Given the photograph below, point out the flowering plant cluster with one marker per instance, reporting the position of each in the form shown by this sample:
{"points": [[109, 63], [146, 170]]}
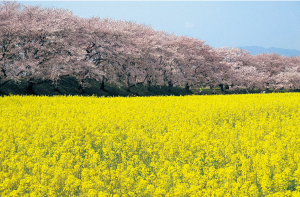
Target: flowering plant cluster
{"points": [[228, 145], [44, 44]]}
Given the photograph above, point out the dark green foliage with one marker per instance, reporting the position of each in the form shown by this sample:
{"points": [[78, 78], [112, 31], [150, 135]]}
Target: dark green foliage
{"points": [[12, 87], [70, 86]]}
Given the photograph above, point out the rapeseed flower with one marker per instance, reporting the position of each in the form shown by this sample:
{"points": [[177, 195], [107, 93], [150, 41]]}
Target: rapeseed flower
{"points": [[228, 145]]}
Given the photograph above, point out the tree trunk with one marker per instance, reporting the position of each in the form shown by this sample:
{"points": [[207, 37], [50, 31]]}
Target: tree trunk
{"points": [[170, 86], [102, 85], [148, 85], [187, 87], [81, 88], [128, 85], [29, 88], [222, 89], [55, 86]]}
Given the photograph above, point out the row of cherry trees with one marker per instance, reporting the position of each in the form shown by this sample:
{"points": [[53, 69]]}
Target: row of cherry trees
{"points": [[50, 43]]}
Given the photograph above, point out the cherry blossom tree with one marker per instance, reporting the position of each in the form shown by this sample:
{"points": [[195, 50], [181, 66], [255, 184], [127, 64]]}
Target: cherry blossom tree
{"points": [[271, 64], [247, 77], [50, 43], [157, 52], [8, 48], [231, 59], [289, 79], [189, 59], [110, 50], [45, 38], [152, 53]]}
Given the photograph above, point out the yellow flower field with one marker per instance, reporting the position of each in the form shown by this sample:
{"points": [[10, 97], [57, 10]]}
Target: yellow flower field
{"points": [[229, 145]]}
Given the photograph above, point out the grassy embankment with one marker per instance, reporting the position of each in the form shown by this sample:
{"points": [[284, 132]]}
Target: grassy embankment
{"points": [[70, 86]]}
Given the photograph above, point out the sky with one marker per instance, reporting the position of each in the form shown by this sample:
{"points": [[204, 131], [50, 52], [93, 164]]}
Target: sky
{"points": [[218, 23]]}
